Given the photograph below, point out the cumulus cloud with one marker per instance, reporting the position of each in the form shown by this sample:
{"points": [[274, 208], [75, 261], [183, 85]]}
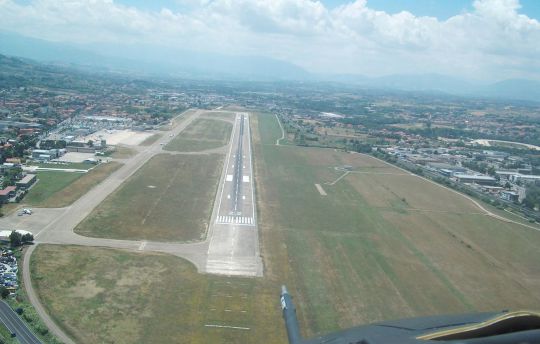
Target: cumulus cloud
{"points": [[492, 41]]}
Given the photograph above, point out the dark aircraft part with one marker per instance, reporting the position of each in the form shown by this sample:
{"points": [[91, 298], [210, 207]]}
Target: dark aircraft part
{"points": [[505, 327], [289, 314]]}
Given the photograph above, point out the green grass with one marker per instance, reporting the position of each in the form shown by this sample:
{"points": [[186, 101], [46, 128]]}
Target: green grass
{"points": [[272, 130], [100, 295], [5, 336], [60, 189], [201, 134], [48, 184], [377, 256], [169, 198]]}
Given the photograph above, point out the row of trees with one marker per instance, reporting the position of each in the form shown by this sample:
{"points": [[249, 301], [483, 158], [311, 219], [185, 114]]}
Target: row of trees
{"points": [[17, 239], [532, 200]]}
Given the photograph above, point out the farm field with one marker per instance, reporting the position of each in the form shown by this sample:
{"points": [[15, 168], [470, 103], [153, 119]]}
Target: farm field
{"points": [[101, 296], [202, 134], [60, 189], [381, 244], [168, 199]]}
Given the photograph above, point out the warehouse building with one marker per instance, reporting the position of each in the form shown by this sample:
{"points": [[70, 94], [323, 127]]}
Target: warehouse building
{"points": [[475, 179]]}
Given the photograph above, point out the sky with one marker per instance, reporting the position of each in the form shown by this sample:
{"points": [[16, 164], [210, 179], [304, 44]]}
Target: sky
{"points": [[484, 40]]}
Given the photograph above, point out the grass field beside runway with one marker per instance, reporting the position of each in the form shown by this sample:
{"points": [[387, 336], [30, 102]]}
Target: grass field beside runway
{"points": [[168, 199], [111, 296], [150, 139], [219, 115], [57, 189], [201, 134], [382, 244]]}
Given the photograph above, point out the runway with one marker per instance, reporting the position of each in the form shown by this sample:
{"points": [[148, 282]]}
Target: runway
{"points": [[234, 246]]}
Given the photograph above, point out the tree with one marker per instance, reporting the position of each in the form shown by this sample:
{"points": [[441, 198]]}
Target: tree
{"points": [[28, 237], [4, 292], [90, 143], [15, 239], [532, 200]]}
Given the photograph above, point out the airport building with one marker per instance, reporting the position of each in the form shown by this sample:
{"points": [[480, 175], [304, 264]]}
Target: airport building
{"points": [[7, 193], [26, 182]]}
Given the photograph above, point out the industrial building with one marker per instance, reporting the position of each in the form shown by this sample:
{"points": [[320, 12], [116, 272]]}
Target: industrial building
{"points": [[475, 179], [525, 178]]}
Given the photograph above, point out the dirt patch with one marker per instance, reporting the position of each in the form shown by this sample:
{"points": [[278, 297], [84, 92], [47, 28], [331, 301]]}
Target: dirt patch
{"points": [[85, 289]]}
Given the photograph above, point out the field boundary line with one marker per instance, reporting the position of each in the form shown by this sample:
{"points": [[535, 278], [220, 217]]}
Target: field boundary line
{"points": [[282, 131]]}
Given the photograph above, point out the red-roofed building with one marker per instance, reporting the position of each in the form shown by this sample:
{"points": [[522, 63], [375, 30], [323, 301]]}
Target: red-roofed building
{"points": [[7, 193]]}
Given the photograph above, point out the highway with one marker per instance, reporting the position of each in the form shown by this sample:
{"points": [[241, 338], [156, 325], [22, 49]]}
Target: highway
{"points": [[15, 325]]}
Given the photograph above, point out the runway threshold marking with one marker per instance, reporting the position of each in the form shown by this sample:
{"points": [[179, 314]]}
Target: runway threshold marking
{"points": [[238, 220]]}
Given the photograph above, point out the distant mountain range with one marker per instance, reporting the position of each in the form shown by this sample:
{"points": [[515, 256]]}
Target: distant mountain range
{"points": [[148, 60]]}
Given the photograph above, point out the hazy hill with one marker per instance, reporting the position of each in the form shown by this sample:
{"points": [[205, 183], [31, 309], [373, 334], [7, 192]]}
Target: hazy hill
{"points": [[171, 62], [151, 60]]}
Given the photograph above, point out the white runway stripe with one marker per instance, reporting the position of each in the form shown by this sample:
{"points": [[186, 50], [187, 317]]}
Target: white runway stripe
{"points": [[238, 220]]}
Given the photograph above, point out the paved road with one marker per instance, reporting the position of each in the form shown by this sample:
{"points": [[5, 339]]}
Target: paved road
{"points": [[16, 325], [234, 245]]}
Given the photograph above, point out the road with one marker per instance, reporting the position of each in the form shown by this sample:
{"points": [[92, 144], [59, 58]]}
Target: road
{"points": [[234, 246], [15, 325]]}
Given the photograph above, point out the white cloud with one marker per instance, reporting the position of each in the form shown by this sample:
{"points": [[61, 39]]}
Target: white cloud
{"points": [[493, 41]]}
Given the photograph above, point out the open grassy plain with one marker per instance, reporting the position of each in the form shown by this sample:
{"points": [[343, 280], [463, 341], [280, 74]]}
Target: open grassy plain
{"points": [[168, 199], [381, 244], [112, 296], [202, 134], [60, 189]]}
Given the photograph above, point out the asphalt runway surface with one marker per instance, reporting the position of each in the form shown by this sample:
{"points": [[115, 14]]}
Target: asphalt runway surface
{"points": [[234, 246]]}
